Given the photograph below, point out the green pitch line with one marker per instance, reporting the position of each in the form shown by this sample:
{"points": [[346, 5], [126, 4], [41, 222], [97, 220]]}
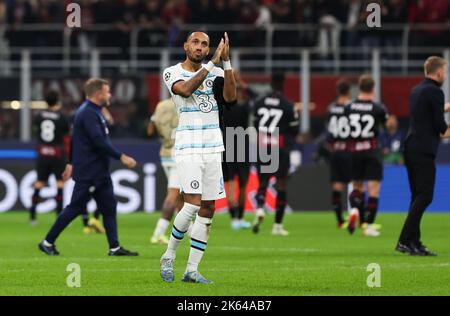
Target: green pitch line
{"points": [[316, 259]]}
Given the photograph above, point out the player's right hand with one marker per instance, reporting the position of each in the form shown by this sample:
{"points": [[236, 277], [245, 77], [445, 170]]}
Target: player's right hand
{"points": [[226, 48], [447, 107], [67, 174], [128, 161], [218, 53]]}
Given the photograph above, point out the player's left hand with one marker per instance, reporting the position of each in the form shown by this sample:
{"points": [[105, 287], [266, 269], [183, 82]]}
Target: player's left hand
{"points": [[67, 174], [226, 49], [447, 107], [128, 161]]}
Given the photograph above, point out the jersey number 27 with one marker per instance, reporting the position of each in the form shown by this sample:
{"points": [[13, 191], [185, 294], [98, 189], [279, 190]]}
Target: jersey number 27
{"points": [[274, 115]]}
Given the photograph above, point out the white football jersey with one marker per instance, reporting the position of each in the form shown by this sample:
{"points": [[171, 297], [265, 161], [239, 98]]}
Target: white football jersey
{"points": [[198, 128]]}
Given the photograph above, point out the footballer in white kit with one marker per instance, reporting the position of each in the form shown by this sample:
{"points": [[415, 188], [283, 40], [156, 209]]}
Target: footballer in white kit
{"points": [[198, 91], [198, 138]]}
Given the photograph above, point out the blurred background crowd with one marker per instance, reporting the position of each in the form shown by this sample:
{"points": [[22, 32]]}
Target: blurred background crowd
{"points": [[163, 20]]}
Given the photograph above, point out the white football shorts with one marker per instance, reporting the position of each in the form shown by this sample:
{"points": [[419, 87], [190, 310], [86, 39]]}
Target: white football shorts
{"points": [[201, 174]]}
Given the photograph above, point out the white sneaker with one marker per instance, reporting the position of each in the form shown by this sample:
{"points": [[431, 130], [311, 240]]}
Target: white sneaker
{"points": [[278, 230], [244, 224], [259, 218], [161, 240], [371, 231], [235, 224]]}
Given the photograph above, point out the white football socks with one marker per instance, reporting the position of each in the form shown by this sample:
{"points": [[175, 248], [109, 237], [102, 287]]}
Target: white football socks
{"points": [[180, 227], [199, 238], [161, 227]]}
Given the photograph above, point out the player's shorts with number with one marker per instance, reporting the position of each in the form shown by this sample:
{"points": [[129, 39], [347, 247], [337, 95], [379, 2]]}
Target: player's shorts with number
{"points": [[201, 174]]}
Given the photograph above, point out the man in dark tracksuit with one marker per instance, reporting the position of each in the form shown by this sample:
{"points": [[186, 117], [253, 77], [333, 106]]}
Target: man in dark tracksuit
{"points": [[427, 126], [90, 154]]}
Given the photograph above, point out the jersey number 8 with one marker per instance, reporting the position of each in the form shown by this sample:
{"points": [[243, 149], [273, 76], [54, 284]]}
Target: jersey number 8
{"points": [[47, 131]]}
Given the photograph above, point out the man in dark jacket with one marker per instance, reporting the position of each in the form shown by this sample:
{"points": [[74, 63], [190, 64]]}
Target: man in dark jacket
{"points": [[427, 127], [89, 162]]}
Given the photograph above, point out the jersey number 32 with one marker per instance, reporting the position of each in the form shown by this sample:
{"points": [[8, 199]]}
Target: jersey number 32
{"points": [[356, 126]]}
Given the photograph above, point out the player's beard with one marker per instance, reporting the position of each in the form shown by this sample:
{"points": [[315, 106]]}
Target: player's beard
{"points": [[195, 60]]}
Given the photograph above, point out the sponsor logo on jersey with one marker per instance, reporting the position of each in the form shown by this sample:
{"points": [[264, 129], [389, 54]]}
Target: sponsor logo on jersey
{"points": [[206, 105]]}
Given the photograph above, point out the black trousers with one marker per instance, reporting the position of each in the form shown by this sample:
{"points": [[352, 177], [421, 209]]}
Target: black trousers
{"points": [[103, 193], [422, 175]]}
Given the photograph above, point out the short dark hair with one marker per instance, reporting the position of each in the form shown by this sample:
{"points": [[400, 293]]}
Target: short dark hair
{"points": [[343, 87], [366, 83], [433, 64], [93, 85], [277, 81], [192, 32], [52, 98]]}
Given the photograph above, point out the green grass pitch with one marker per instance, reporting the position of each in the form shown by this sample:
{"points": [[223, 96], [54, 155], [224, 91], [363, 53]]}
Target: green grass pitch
{"points": [[316, 259]]}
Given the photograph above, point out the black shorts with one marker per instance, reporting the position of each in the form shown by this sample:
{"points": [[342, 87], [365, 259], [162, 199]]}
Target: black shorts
{"points": [[236, 169], [367, 166], [341, 167], [225, 171], [47, 166], [284, 164]]}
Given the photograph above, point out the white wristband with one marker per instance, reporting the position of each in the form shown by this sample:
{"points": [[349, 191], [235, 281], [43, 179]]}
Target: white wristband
{"points": [[227, 65], [209, 66]]}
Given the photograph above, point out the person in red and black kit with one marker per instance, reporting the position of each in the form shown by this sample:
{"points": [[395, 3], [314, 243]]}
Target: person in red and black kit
{"points": [[274, 113], [51, 128], [427, 127], [338, 128], [366, 117]]}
